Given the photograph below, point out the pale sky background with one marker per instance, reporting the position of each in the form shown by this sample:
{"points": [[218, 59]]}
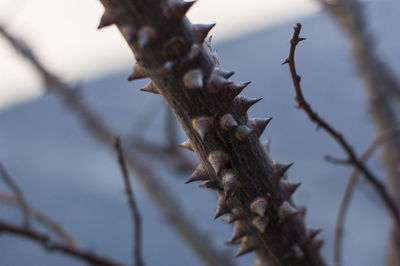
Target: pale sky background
{"points": [[63, 34]]}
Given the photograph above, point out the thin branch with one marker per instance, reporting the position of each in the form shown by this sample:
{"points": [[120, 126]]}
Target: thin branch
{"points": [[303, 104], [136, 219], [165, 201], [17, 193], [383, 137], [47, 243], [41, 218]]}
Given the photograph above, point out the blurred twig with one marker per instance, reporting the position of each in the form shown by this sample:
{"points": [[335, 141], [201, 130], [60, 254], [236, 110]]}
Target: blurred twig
{"points": [[136, 220], [47, 243], [18, 195], [314, 117], [385, 136], [41, 218], [166, 202]]}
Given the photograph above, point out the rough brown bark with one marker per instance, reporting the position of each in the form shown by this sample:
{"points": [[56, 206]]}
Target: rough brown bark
{"points": [[170, 50]]}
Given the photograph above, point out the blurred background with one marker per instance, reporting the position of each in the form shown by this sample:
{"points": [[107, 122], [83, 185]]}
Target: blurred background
{"points": [[67, 173]]}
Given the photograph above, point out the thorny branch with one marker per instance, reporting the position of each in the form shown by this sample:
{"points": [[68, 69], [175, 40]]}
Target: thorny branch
{"points": [[136, 219], [17, 193], [383, 137], [303, 104], [41, 218], [49, 244], [166, 202]]}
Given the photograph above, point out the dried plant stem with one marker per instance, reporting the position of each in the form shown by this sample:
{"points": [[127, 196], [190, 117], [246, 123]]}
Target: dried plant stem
{"points": [[50, 245], [42, 218], [17, 193], [383, 137], [303, 104], [136, 219], [165, 201]]}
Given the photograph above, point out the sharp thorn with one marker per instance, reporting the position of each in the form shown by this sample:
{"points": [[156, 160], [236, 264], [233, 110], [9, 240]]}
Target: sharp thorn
{"points": [[245, 103], [198, 174], [230, 183], [240, 230], [259, 206], [151, 87], [260, 223], [286, 211], [227, 122], [187, 145], [107, 19], [280, 169], [219, 160], [203, 125], [193, 79], [243, 132], [137, 73], [249, 243], [203, 30], [289, 187], [259, 124], [216, 82]]}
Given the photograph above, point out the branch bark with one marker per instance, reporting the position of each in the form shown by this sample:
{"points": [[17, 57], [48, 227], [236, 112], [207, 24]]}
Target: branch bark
{"points": [[169, 50]]}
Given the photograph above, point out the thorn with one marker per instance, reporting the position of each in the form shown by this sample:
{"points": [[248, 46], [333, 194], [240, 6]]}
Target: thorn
{"points": [[240, 230], [249, 243], [208, 42], [137, 73], [227, 122], [187, 145], [260, 223], [107, 19], [301, 39], [226, 74], [234, 89], [234, 215], [286, 211], [230, 183], [174, 47], [218, 160], [245, 103], [146, 35], [198, 174], [193, 79], [130, 33], [151, 87], [178, 9], [222, 206], [289, 187], [299, 254], [203, 125], [280, 169], [259, 206], [318, 242], [267, 144], [286, 61], [168, 67], [259, 124], [311, 234], [302, 210], [216, 82], [211, 184], [195, 52], [202, 30], [243, 132]]}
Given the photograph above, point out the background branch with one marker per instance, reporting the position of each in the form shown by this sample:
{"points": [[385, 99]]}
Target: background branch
{"points": [[47, 243], [136, 219], [314, 117]]}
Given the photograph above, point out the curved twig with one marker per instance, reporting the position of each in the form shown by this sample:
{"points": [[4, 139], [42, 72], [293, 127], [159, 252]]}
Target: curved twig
{"points": [[136, 219], [314, 117]]}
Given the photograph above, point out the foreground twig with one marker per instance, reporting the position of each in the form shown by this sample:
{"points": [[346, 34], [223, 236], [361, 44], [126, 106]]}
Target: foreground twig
{"points": [[17, 193], [303, 104], [49, 244], [166, 202], [385, 136], [136, 219], [41, 218]]}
